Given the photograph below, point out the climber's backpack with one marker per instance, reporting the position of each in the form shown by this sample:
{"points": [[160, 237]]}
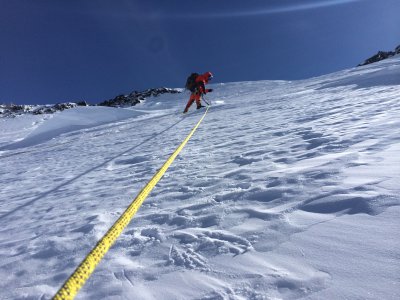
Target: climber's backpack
{"points": [[191, 82]]}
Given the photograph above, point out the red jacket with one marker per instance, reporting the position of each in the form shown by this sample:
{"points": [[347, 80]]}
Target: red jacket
{"points": [[202, 80]]}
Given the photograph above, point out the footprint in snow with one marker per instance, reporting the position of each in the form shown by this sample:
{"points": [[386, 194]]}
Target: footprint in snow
{"points": [[188, 259], [214, 242]]}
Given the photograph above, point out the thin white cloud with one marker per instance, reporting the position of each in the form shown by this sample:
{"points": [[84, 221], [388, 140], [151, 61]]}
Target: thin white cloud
{"points": [[137, 12], [267, 10]]}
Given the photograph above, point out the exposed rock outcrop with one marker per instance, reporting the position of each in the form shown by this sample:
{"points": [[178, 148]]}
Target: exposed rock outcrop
{"points": [[381, 55], [136, 97]]}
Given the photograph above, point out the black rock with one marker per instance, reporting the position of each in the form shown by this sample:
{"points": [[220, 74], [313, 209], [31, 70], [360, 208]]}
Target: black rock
{"points": [[82, 103], [381, 55], [62, 106], [136, 97]]}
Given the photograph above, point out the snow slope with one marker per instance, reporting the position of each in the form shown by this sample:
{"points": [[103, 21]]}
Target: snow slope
{"points": [[287, 190]]}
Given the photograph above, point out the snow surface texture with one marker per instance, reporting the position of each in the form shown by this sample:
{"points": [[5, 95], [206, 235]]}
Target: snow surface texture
{"points": [[287, 190]]}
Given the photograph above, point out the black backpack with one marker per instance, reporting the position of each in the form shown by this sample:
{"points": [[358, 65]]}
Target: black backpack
{"points": [[191, 82]]}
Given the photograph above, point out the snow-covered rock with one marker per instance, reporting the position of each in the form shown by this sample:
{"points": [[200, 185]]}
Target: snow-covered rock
{"points": [[14, 110]]}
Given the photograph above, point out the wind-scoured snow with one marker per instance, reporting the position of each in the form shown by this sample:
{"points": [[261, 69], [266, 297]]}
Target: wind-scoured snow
{"points": [[71, 120], [287, 190]]}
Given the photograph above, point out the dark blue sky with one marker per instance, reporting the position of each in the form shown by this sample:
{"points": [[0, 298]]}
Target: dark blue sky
{"points": [[55, 50]]}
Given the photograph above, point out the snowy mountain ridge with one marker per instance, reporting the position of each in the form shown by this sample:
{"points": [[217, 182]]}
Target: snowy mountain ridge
{"points": [[287, 190], [130, 99]]}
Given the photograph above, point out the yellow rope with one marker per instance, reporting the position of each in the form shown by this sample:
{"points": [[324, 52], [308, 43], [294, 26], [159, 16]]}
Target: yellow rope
{"points": [[76, 281]]}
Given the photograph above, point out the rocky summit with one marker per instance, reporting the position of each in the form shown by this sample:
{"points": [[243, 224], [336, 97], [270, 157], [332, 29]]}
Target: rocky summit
{"points": [[381, 55], [136, 97]]}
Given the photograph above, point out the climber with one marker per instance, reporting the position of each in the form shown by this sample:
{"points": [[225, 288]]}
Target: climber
{"points": [[196, 84]]}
